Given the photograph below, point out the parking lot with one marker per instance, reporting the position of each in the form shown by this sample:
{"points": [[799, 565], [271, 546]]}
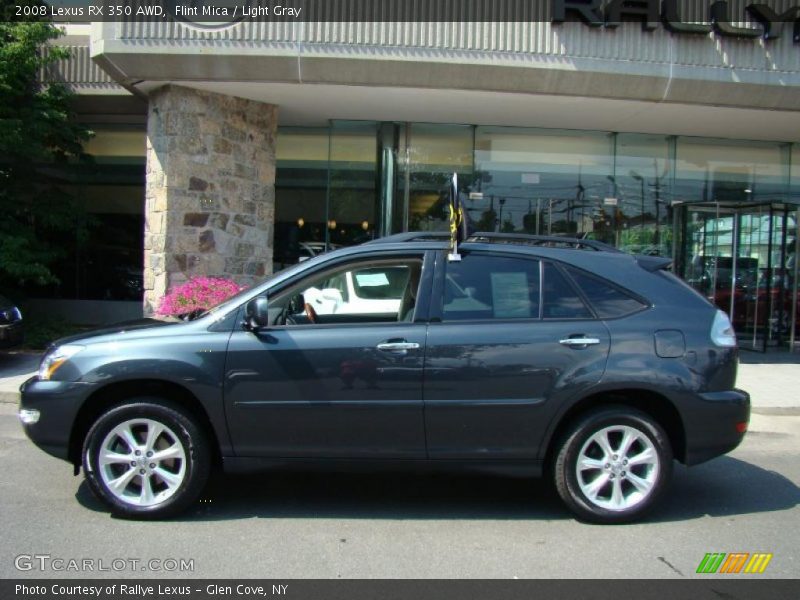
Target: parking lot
{"points": [[356, 526]]}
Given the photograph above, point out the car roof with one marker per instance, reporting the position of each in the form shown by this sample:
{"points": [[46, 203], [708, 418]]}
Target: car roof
{"points": [[551, 246], [552, 241]]}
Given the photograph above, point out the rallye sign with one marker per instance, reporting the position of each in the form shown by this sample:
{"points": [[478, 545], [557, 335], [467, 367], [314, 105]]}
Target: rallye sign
{"points": [[657, 13]]}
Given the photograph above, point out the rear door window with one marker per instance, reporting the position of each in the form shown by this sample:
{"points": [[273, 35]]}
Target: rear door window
{"points": [[491, 287]]}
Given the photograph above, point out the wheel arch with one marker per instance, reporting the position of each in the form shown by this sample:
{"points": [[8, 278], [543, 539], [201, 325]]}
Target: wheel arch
{"points": [[118, 392], [652, 403]]}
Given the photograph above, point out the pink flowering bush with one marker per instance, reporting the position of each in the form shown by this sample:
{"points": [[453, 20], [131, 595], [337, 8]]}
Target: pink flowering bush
{"points": [[197, 294]]}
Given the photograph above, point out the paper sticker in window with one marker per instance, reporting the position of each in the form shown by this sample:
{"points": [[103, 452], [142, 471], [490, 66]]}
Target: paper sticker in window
{"points": [[371, 279]]}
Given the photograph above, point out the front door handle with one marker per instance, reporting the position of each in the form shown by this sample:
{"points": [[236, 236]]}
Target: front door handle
{"points": [[579, 341], [398, 346]]}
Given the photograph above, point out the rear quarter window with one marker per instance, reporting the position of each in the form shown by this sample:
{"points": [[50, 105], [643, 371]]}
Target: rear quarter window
{"points": [[561, 300], [608, 301]]}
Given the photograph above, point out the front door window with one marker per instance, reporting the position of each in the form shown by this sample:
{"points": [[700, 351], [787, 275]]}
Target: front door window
{"points": [[365, 292]]}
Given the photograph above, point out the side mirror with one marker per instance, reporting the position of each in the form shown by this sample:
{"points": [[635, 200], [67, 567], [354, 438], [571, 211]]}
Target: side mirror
{"points": [[255, 313]]}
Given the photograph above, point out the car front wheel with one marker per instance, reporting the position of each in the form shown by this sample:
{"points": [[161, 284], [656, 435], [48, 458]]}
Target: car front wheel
{"points": [[613, 465], [146, 459]]}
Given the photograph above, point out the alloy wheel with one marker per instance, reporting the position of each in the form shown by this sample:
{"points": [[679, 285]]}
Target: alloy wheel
{"points": [[617, 468], [142, 462]]}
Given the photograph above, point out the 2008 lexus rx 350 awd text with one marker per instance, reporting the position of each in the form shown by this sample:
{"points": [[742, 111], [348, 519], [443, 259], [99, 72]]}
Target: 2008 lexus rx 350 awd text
{"points": [[529, 355]]}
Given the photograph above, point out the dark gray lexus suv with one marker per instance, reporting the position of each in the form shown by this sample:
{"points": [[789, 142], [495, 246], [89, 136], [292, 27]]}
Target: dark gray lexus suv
{"points": [[528, 355]]}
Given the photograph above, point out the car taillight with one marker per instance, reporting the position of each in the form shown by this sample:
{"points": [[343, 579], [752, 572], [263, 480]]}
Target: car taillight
{"points": [[722, 333]]}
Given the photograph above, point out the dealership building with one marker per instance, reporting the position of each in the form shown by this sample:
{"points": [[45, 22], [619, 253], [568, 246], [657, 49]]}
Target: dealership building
{"points": [[233, 149]]}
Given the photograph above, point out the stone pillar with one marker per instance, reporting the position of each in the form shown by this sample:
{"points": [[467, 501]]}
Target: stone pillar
{"points": [[210, 190]]}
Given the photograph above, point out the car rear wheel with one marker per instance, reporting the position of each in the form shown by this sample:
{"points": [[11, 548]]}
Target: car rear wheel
{"points": [[612, 465], [146, 459]]}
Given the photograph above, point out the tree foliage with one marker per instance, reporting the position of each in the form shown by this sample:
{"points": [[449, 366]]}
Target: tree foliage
{"points": [[38, 136]]}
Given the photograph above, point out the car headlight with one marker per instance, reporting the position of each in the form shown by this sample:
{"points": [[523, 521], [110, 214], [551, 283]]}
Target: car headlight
{"points": [[54, 359]]}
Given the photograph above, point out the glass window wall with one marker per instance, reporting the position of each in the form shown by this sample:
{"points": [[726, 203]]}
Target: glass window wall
{"points": [[725, 210], [301, 188], [432, 154], [543, 182], [730, 172], [102, 257], [353, 202], [644, 171]]}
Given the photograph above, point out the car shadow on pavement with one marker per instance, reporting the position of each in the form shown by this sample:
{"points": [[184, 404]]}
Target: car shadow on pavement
{"points": [[367, 496], [723, 487]]}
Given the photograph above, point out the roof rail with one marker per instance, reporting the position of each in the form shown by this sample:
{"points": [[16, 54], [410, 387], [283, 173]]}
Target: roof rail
{"points": [[500, 238], [542, 240], [413, 236]]}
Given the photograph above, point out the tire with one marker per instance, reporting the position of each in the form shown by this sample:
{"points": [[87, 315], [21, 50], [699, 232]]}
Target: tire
{"points": [[608, 487], [157, 485]]}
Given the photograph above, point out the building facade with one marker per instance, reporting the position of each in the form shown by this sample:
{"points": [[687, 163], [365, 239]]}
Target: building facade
{"points": [[234, 149]]}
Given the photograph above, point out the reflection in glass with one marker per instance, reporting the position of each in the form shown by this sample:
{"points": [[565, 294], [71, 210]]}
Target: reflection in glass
{"points": [[729, 172], [433, 153], [352, 198], [725, 209], [643, 182], [105, 260], [544, 182], [301, 181]]}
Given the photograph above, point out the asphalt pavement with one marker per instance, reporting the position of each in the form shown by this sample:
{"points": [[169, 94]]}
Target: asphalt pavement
{"points": [[15, 369], [406, 526]]}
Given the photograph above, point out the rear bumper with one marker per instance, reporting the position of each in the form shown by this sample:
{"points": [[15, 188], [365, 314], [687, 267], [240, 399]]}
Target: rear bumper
{"points": [[58, 403], [714, 424]]}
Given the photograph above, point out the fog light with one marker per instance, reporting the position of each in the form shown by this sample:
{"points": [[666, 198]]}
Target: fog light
{"points": [[741, 427], [28, 416]]}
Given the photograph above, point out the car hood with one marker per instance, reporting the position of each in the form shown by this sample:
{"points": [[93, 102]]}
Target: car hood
{"points": [[126, 329]]}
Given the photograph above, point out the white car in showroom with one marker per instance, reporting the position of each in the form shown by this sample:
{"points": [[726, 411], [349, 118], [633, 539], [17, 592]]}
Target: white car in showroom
{"points": [[372, 290]]}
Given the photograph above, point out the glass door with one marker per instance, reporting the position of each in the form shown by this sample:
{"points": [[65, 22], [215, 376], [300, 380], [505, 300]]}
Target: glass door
{"points": [[755, 302], [707, 252], [742, 260]]}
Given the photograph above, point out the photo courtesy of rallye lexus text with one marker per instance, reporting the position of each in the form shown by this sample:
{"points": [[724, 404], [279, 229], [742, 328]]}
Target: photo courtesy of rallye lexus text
{"points": [[100, 591], [517, 355]]}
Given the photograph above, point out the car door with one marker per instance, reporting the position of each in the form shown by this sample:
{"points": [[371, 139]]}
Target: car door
{"points": [[510, 338], [347, 384]]}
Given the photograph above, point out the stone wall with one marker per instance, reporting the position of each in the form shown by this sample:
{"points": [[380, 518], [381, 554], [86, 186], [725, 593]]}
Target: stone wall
{"points": [[210, 190]]}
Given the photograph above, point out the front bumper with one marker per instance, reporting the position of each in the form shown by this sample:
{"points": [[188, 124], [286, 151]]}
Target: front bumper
{"points": [[714, 424], [58, 403]]}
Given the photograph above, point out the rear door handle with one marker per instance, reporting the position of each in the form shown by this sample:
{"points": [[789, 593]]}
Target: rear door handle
{"points": [[581, 341], [398, 346]]}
